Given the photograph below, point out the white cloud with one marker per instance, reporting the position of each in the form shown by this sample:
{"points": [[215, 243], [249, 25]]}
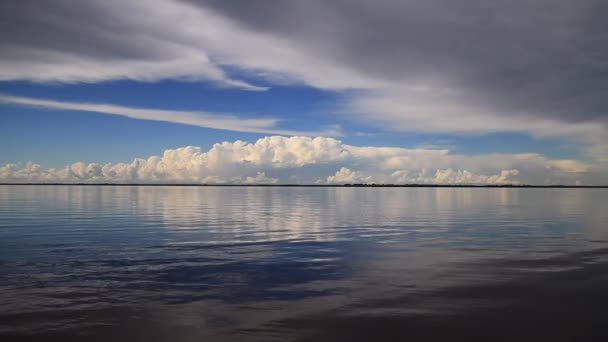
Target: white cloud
{"points": [[193, 118], [440, 176], [278, 159], [259, 178], [432, 108], [161, 50], [185, 42], [149, 40], [55, 66], [346, 176]]}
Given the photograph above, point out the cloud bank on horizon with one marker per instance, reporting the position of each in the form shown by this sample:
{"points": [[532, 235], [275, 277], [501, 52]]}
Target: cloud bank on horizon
{"points": [[469, 67], [305, 160]]}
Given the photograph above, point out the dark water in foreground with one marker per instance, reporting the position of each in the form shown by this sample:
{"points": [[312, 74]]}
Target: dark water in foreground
{"points": [[302, 264]]}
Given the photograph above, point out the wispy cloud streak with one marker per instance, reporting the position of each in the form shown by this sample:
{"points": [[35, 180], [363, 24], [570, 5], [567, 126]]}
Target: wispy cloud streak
{"points": [[192, 118]]}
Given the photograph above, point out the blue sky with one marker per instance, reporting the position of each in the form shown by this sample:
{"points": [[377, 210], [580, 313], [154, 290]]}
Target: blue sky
{"points": [[223, 74], [98, 137], [57, 138]]}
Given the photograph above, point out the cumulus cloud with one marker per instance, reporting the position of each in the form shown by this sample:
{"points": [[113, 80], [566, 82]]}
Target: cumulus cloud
{"points": [[278, 159], [194, 118], [259, 178], [439, 176], [347, 176]]}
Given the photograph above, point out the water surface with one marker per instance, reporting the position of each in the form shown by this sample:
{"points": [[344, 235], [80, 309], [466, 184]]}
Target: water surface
{"points": [[302, 264]]}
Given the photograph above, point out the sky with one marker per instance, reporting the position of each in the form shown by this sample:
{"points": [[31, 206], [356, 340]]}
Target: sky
{"points": [[307, 92]]}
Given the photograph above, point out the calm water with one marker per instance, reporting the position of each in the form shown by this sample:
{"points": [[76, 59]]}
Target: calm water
{"points": [[302, 264]]}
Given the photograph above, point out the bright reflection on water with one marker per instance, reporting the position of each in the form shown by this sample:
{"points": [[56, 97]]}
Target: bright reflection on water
{"points": [[271, 263]]}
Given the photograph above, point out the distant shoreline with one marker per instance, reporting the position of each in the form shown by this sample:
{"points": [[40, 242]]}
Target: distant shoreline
{"points": [[517, 186]]}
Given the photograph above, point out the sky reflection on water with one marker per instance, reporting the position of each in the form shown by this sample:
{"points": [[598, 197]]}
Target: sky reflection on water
{"points": [[243, 263]]}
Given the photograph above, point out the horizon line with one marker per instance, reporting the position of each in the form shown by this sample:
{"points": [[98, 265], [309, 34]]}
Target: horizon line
{"points": [[354, 185]]}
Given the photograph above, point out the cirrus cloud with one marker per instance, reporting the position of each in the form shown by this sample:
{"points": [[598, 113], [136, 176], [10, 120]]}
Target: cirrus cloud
{"points": [[224, 121], [470, 66]]}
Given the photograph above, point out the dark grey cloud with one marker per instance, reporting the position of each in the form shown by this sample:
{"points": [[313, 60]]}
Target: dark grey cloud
{"points": [[86, 28], [98, 40], [545, 57]]}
